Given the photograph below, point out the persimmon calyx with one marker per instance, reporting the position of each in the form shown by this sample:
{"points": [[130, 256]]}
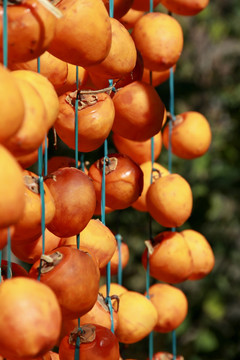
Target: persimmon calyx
{"points": [[156, 174], [110, 164], [86, 334], [32, 183], [48, 262], [84, 100], [104, 303], [149, 246]]}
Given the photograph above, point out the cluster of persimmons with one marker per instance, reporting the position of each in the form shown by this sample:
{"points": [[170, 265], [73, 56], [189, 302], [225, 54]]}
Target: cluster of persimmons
{"points": [[40, 309]]}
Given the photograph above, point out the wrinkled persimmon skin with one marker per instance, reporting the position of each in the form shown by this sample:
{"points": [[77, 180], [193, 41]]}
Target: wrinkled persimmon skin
{"points": [[185, 7], [104, 347], [123, 185], [88, 44], [31, 28], [75, 200], [94, 122], [71, 279], [171, 259]]}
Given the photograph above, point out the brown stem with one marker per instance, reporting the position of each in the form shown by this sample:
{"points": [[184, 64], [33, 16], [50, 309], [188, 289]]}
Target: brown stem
{"points": [[86, 334], [48, 262]]}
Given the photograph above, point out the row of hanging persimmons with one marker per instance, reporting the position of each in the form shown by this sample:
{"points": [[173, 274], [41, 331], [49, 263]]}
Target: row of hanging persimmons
{"points": [[38, 315]]}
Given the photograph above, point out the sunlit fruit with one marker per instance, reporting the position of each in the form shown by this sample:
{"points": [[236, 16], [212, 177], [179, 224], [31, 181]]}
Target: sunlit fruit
{"points": [[171, 304], [73, 73], [74, 196], [121, 257], [24, 303], [139, 111], [190, 135], [185, 7], [123, 179], [115, 289], [96, 342], [131, 17], [159, 38], [170, 259], [201, 252], [169, 200], [73, 276]]}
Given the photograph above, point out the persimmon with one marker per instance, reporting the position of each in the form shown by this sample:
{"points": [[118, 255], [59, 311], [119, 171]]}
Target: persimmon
{"points": [[16, 270], [158, 77], [98, 209], [159, 38], [124, 251], [96, 342], [31, 133], [28, 226], [144, 5], [115, 289], [57, 162], [149, 170], [121, 7], [131, 17], [169, 200], [11, 98], [4, 235], [95, 119], [31, 28], [54, 69], [12, 199], [191, 135], [165, 356], [170, 259], [123, 180], [138, 151], [185, 7], [45, 90], [71, 81], [139, 111], [171, 304], [137, 317], [122, 47], [201, 252], [29, 159], [26, 302], [73, 276], [31, 251], [98, 238], [86, 45], [74, 196]]}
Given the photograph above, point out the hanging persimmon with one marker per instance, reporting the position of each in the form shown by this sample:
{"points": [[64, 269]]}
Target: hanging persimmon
{"points": [[31, 28], [131, 17], [144, 5], [71, 81], [123, 180], [114, 262], [190, 135], [16, 270], [29, 159], [159, 38], [115, 289], [4, 235], [95, 119], [157, 77], [88, 44], [120, 7], [73, 275], [185, 7], [139, 111]]}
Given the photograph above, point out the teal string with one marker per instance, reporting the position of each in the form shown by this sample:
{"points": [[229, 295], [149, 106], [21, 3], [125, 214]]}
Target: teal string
{"points": [[111, 8], [76, 133], [103, 188], [5, 34], [38, 65], [9, 268], [46, 157], [119, 244], [77, 77], [174, 344]]}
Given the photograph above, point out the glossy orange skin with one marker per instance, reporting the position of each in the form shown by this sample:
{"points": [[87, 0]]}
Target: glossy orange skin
{"points": [[46, 91], [136, 317], [115, 259], [104, 347], [138, 151], [131, 17], [88, 44], [31, 133], [144, 5], [11, 98], [171, 304], [31, 314], [16, 270], [28, 227], [121, 7], [75, 200], [123, 185], [169, 200], [185, 7], [122, 47], [31, 28], [191, 135], [94, 123], [159, 38], [140, 204], [171, 259], [98, 238], [12, 199], [165, 356], [201, 252], [139, 112], [158, 77], [75, 281], [31, 251], [54, 69]]}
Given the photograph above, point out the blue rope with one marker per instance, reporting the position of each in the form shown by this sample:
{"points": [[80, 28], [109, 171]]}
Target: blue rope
{"points": [[119, 243], [8, 253], [5, 34], [76, 133]]}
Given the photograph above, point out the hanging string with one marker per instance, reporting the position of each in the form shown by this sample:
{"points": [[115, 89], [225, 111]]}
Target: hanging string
{"points": [[5, 34]]}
